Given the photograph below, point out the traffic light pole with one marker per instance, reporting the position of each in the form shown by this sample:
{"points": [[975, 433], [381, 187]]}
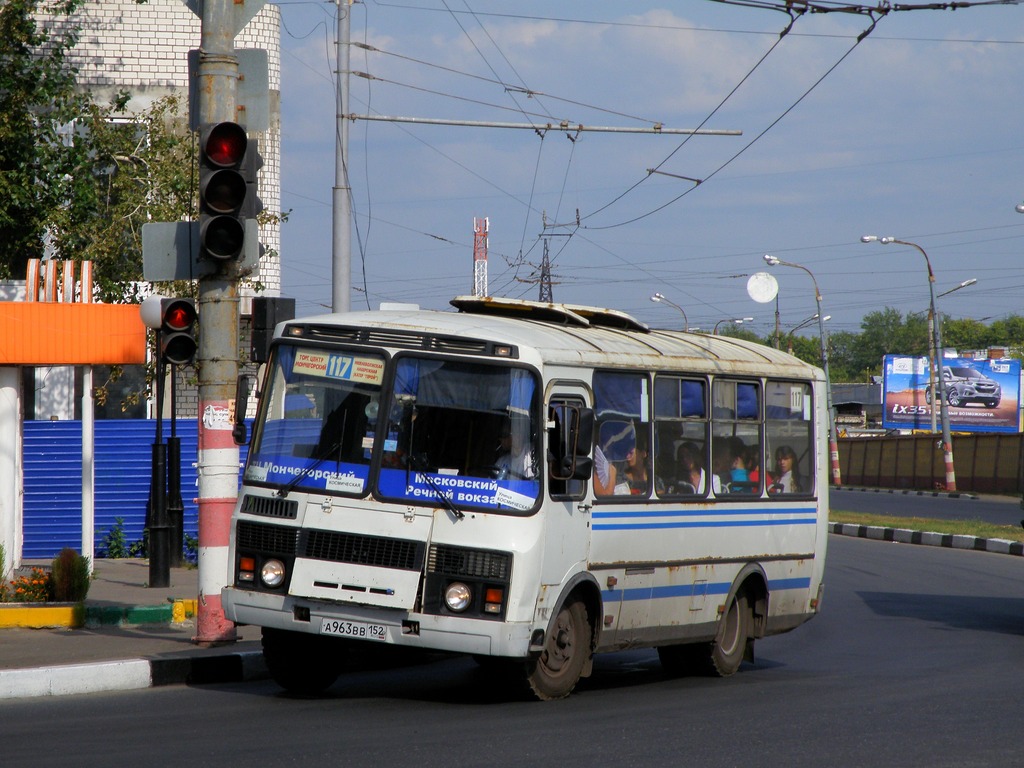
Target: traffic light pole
{"points": [[218, 352], [159, 549]]}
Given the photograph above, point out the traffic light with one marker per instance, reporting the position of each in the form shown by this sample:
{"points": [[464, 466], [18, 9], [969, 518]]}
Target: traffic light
{"points": [[175, 323], [223, 190]]}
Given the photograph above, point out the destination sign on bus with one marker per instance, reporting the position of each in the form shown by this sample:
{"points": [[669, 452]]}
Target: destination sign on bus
{"points": [[331, 365]]}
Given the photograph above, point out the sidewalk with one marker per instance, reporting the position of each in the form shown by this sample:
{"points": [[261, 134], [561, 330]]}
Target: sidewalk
{"points": [[128, 636]]}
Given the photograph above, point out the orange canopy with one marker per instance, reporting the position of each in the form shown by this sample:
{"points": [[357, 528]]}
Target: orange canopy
{"points": [[55, 333]]}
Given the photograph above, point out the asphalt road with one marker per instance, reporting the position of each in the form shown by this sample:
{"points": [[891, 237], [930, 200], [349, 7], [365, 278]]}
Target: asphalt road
{"points": [[999, 510], [914, 661]]}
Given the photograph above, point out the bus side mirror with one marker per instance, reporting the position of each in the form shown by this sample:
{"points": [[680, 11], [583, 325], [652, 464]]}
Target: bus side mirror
{"points": [[238, 430], [571, 439]]}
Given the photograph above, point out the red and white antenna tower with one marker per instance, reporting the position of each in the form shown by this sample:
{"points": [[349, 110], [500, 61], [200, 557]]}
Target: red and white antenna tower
{"points": [[480, 229]]}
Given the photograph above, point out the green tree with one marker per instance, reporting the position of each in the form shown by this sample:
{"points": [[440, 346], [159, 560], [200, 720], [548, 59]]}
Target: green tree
{"points": [[38, 106], [1008, 332], [965, 333], [141, 170], [80, 178]]}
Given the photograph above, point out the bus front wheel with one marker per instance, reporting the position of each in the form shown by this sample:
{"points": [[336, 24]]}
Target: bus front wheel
{"points": [[554, 673], [301, 663]]}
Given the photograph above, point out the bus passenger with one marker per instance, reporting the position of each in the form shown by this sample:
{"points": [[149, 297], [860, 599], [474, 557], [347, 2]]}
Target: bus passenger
{"points": [[515, 458], [787, 471], [691, 470], [739, 478], [635, 472]]}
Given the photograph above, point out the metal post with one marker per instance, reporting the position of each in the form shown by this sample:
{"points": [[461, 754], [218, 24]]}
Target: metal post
{"points": [[932, 367], [341, 273], [947, 438], [777, 341], [159, 544], [217, 356], [833, 437], [175, 507]]}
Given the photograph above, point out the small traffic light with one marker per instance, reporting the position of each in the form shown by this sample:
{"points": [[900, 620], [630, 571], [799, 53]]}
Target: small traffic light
{"points": [[223, 189], [175, 323], [251, 166]]}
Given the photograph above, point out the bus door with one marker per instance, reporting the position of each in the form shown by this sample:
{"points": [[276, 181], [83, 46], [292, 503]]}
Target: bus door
{"points": [[567, 513]]}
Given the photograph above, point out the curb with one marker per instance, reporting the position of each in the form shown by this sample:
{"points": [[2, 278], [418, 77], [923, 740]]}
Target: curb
{"points": [[950, 540], [906, 492], [132, 674], [76, 616]]}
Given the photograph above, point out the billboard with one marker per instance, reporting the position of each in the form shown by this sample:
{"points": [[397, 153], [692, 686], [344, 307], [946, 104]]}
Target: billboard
{"points": [[981, 395]]}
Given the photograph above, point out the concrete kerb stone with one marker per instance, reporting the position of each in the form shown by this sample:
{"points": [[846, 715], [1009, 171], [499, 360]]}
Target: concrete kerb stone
{"points": [[131, 674], [906, 536]]}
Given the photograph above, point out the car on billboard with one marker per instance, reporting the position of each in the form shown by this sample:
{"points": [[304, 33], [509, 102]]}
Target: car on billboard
{"points": [[967, 385]]}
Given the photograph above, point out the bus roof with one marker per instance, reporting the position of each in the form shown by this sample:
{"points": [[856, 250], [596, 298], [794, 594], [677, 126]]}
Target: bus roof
{"points": [[566, 334]]}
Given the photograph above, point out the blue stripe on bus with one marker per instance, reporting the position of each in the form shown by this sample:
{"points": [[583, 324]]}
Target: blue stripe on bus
{"points": [[704, 512], [690, 590], [703, 524]]}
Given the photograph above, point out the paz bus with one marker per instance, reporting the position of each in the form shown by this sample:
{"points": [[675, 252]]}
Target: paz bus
{"points": [[529, 484]]}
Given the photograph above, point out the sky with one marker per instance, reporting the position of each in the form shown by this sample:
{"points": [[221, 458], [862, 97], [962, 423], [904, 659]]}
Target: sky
{"points": [[915, 132]]}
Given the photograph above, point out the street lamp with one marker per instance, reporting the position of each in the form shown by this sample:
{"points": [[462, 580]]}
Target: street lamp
{"points": [[833, 438], [964, 284], [798, 326], [659, 297], [947, 439], [737, 320]]}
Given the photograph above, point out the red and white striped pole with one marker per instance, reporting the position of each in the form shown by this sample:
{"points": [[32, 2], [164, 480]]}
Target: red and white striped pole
{"points": [[218, 489], [217, 356]]}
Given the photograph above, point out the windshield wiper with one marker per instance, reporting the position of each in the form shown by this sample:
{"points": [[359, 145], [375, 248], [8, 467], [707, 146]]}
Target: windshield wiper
{"points": [[417, 464], [286, 489]]}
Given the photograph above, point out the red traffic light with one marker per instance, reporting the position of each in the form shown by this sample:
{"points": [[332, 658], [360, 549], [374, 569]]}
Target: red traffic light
{"points": [[224, 144], [180, 316], [174, 320]]}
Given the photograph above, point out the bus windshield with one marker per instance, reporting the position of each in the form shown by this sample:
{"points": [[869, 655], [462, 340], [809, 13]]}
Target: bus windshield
{"points": [[318, 421], [452, 433], [461, 429]]}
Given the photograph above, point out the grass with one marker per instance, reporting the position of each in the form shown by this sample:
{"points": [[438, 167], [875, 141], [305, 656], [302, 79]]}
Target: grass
{"points": [[966, 527]]}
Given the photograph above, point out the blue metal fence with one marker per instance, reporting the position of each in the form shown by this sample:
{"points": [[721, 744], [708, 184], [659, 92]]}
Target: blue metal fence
{"points": [[52, 459]]}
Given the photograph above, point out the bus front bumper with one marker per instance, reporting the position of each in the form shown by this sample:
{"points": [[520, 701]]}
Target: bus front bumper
{"points": [[453, 634]]}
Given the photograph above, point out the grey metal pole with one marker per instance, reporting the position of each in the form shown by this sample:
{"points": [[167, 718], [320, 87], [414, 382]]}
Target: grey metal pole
{"points": [[833, 437], [217, 354], [947, 437], [341, 272]]}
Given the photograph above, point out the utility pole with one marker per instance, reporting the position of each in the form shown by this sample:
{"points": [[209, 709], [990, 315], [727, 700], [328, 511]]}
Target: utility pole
{"points": [[341, 264], [218, 350], [545, 276]]}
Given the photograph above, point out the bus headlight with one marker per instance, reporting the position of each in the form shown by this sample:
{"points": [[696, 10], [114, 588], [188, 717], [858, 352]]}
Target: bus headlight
{"points": [[458, 596], [272, 574]]}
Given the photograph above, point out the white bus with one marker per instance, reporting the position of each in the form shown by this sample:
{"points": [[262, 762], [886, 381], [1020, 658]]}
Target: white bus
{"points": [[529, 484]]}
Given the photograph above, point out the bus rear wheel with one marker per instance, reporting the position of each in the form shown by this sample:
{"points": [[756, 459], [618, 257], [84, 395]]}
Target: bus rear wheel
{"points": [[730, 643], [567, 649], [301, 663], [723, 655]]}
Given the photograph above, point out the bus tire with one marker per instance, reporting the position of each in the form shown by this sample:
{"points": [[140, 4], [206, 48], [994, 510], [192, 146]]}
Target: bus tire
{"points": [[719, 658], [301, 663], [567, 648], [730, 643]]}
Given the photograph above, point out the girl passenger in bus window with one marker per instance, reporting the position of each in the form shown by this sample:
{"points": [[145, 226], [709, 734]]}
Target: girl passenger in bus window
{"points": [[787, 471]]}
